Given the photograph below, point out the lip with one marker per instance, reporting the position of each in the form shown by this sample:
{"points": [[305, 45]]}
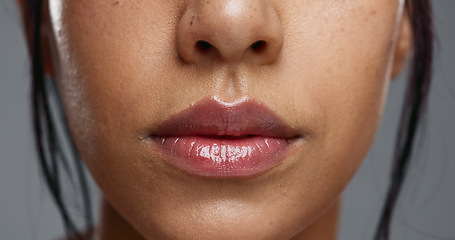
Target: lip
{"points": [[217, 139]]}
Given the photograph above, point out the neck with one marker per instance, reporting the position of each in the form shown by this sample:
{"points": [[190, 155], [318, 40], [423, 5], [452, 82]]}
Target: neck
{"points": [[325, 227], [114, 227]]}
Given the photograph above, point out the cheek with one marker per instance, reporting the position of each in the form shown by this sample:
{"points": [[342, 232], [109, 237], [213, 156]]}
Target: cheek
{"points": [[108, 69], [338, 74]]}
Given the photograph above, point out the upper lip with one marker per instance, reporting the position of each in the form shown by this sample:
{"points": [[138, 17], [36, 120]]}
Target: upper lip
{"points": [[212, 117]]}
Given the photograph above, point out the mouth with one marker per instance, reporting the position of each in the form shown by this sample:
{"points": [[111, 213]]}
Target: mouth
{"points": [[224, 140]]}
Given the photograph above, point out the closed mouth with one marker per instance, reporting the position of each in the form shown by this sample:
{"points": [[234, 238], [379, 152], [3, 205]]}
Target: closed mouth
{"points": [[224, 140]]}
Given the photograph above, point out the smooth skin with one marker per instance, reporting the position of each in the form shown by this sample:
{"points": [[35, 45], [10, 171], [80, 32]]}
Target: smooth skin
{"points": [[124, 66]]}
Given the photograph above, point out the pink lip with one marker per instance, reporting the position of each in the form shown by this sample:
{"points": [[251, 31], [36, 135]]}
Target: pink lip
{"points": [[217, 139]]}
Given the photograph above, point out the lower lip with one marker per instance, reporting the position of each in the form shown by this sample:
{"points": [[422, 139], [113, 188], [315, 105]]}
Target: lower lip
{"points": [[223, 157]]}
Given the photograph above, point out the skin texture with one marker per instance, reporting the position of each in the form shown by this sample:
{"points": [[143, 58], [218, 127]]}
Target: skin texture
{"points": [[125, 66]]}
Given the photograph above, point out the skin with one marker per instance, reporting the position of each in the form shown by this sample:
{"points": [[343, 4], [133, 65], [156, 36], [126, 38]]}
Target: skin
{"points": [[125, 66]]}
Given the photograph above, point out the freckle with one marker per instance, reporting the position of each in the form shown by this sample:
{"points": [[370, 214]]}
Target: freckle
{"points": [[373, 12], [115, 3]]}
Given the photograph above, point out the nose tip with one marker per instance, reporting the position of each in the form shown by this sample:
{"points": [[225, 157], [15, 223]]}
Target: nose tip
{"points": [[229, 31]]}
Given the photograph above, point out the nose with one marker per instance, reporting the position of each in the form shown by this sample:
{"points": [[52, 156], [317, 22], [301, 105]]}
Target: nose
{"points": [[230, 31]]}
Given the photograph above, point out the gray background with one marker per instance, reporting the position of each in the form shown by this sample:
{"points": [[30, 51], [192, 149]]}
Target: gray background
{"points": [[426, 209]]}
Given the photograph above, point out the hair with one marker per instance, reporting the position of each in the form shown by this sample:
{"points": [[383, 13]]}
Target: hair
{"points": [[48, 115]]}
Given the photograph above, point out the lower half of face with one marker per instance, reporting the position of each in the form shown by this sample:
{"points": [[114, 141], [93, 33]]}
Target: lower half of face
{"points": [[320, 68]]}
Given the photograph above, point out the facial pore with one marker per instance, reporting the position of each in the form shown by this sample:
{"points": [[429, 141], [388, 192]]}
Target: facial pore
{"points": [[124, 67]]}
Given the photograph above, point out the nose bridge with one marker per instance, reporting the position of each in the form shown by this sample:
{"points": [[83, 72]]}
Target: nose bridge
{"points": [[229, 30]]}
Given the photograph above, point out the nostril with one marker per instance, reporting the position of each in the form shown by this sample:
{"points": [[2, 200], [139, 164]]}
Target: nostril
{"points": [[258, 46], [203, 45]]}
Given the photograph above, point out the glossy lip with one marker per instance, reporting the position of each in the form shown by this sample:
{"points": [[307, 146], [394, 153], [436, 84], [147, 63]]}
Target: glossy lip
{"points": [[217, 139]]}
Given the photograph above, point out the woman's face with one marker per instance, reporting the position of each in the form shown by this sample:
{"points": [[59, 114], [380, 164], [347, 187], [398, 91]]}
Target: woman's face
{"points": [[138, 76]]}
